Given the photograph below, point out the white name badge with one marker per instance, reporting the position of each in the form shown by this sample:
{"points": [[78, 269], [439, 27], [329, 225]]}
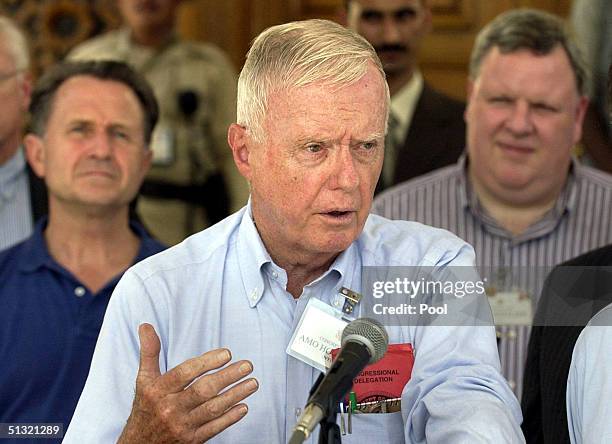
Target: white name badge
{"points": [[317, 334], [511, 308], [162, 145]]}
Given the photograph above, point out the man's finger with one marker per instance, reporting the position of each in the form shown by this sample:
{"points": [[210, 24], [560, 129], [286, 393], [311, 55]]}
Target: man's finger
{"points": [[216, 426], [184, 374], [212, 384], [217, 406], [149, 354]]}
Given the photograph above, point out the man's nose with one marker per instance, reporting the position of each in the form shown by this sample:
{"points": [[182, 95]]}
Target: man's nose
{"points": [[101, 145], [391, 33], [345, 174], [520, 120]]}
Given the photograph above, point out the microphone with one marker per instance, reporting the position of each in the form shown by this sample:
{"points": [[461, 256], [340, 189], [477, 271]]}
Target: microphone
{"points": [[364, 341]]}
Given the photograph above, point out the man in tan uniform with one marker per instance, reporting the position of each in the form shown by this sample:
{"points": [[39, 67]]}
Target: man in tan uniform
{"points": [[193, 182]]}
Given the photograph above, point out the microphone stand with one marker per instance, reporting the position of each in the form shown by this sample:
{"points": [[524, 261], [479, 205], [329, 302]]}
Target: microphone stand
{"points": [[329, 432]]}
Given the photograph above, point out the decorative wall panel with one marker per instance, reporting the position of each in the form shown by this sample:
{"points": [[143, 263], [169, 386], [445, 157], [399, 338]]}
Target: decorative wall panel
{"points": [[55, 26]]}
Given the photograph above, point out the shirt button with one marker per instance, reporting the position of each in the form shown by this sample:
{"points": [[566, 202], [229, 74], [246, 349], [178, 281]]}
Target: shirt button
{"points": [[336, 303], [512, 384], [254, 295], [298, 412], [79, 291], [274, 274]]}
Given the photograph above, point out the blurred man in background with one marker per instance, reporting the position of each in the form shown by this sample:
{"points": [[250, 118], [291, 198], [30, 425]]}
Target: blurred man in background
{"points": [[91, 126], [518, 196], [426, 127]]}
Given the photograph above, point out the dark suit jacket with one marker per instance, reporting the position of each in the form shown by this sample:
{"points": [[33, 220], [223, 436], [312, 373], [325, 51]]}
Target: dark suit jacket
{"points": [[436, 136], [570, 298]]}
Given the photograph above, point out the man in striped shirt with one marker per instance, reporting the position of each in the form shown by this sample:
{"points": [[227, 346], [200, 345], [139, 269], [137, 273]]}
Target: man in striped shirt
{"points": [[517, 195]]}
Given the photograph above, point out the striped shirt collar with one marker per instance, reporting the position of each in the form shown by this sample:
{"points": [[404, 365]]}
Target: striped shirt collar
{"points": [[566, 201]]}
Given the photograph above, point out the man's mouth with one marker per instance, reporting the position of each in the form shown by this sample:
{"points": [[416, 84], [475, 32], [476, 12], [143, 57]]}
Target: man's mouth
{"points": [[339, 216], [515, 148], [391, 49], [338, 213], [98, 173]]}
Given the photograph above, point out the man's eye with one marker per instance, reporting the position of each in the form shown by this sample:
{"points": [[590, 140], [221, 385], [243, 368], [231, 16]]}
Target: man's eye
{"points": [[501, 100], [78, 129], [369, 146], [405, 14], [120, 134], [314, 148], [371, 16], [543, 107]]}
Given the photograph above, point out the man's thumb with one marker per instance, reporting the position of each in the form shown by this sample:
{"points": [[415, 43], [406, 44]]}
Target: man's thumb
{"points": [[149, 353]]}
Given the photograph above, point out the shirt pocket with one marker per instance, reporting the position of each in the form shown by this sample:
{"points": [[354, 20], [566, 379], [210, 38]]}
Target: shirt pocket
{"points": [[368, 428]]}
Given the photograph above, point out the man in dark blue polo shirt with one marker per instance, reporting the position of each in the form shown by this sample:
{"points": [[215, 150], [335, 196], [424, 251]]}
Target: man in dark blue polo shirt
{"points": [[91, 127]]}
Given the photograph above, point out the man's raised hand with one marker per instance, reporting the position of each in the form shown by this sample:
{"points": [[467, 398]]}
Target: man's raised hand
{"points": [[191, 402]]}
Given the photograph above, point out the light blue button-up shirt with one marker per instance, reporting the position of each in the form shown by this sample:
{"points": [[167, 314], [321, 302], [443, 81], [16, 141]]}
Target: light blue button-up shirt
{"points": [[589, 384], [220, 288]]}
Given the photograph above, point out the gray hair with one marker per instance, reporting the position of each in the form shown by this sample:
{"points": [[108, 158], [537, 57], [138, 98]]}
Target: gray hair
{"points": [[297, 54], [16, 43], [537, 31]]}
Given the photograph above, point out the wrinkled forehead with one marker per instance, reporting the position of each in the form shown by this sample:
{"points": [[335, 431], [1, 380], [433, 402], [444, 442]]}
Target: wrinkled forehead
{"points": [[370, 90], [89, 92], [323, 110]]}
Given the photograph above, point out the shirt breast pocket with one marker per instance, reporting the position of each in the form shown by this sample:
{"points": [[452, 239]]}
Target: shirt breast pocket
{"points": [[375, 428]]}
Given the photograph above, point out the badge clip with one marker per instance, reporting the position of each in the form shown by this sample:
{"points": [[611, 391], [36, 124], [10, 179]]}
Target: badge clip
{"points": [[351, 299]]}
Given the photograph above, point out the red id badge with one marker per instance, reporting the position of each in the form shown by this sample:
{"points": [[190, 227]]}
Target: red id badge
{"points": [[386, 378]]}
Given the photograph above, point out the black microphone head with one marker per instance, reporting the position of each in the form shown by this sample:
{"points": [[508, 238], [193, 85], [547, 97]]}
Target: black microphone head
{"points": [[188, 102], [370, 333]]}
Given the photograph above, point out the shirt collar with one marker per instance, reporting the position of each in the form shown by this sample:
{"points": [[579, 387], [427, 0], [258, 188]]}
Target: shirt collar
{"points": [[570, 190], [254, 260], [403, 103], [252, 256], [126, 45], [9, 172], [459, 173], [565, 202], [34, 252]]}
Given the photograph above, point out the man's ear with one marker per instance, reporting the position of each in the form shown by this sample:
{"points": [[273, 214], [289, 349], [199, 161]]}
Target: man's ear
{"points": [[240, 143], [580, 112], [35, 153], [147, 161], [25, 88], [469, 88]]}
